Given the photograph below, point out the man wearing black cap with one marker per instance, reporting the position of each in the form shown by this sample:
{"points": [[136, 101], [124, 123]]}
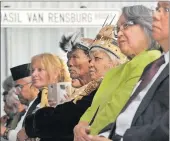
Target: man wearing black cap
{"points": [[26, 93], [25, 90]]}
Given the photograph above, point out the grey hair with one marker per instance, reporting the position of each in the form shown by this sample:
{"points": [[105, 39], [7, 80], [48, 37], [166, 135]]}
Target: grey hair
{"points": [[143, 16], [111, 56], [8, 83], [12, 100]]}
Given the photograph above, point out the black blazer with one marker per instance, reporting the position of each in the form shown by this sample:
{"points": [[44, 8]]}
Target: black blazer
{"points": [[54, 124], [151, 122]]}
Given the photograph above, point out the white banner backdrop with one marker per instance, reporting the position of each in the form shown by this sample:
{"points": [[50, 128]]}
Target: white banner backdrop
{"points": [[65, 17]]}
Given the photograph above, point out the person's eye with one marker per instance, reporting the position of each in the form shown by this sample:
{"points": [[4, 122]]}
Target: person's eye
{"points": [[129, 23], [32, 70], [157, 8], [97, 58], [21, 86], [40, 69], [74, 56], [166, 9], [125, 25]]}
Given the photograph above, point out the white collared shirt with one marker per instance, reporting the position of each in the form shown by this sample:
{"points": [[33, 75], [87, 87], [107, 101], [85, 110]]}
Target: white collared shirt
{"points": [[125, 119]]}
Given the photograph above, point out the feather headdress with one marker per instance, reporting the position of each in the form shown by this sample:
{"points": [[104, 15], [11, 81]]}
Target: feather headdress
{"points": [[105, 39], [67, 43], [73, 41]]}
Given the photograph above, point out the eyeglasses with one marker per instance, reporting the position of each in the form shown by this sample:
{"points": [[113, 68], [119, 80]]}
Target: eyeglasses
{"points": [[19, 87], [124, 26]]}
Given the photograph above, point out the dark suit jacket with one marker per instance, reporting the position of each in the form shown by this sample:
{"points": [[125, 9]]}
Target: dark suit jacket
{"points": [[57, 123], [151, 121]]}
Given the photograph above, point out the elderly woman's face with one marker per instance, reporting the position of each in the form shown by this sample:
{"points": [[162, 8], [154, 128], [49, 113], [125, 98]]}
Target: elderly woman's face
{"points": [[132, 39], [39, 75], [100, 63], [78, 64]]}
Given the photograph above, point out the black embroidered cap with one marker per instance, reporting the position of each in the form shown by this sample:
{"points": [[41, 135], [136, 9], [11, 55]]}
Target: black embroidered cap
{"points": [[20, 71]]}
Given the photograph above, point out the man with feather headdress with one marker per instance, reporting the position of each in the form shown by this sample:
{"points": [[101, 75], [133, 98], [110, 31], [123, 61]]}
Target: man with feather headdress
{"points": [[77, 50]]}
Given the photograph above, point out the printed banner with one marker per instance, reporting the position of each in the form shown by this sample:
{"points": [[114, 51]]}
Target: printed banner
{"points": [[58, 17]]}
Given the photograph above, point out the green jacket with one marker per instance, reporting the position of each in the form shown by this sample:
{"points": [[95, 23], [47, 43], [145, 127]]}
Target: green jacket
{"points": [[116, 89]]}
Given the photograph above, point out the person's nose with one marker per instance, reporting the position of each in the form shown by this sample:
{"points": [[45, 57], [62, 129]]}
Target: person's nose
{"points": [[34, 73], [156, 15], [120, 33], [70, 62], [91, 63]]}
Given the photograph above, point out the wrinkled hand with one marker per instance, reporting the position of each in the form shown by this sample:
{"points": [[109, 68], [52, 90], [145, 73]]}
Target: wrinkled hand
{"points": [[81, 132], [52, 103], [4, 119], [22, 136], [97, 138]]}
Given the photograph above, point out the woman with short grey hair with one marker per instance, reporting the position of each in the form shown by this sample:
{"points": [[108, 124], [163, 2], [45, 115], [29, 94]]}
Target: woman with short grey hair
{"points": [[144, 20], [142, 16]]}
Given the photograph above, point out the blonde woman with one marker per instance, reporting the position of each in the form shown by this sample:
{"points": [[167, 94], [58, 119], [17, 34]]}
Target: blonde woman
{"points": [[46, 69]]}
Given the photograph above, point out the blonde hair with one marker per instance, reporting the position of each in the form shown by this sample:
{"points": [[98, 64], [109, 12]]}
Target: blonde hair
{"points": [[52, 63]]}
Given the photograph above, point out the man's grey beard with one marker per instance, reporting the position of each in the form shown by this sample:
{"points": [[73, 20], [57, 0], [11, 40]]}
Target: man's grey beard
{"points": [[23, 100]]}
